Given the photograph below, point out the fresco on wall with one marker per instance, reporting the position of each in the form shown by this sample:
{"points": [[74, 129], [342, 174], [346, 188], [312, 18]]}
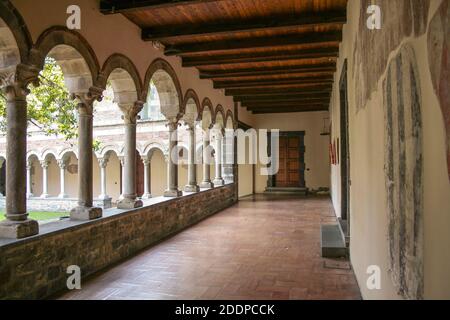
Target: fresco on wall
{"points": [[399, 19], [403, 169], [439, 60]]}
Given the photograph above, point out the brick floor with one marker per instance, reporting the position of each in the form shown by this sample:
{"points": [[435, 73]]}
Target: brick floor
{"points": [[262, 248]]}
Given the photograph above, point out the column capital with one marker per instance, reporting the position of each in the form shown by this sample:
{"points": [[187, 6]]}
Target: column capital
{"points": [[85, 100], [14, 82], [172, 124], [103, 162], [29, 164], [145, 160], [45, 163], [130, 112], [62, 163]]}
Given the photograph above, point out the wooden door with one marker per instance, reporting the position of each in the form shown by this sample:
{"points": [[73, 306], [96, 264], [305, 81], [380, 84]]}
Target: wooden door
{"points": [[289, 173]]}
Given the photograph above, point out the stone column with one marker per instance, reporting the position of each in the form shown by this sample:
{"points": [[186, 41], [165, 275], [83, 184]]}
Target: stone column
{"points": [[147, 178], [29, 191], [85, 106], [218, 180], [122, 169], [44, 165], [192, 185], [130, 115], [172, 164], [206, 183], [14, 85], [62, 178], [103, 162], [228, 150]]}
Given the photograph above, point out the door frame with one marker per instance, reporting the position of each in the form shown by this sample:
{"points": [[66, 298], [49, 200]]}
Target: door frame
{"points": [[344, 148], [271, 181]]}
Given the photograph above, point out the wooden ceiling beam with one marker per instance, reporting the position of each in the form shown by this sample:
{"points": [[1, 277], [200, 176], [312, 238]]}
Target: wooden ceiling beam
{"points": [[272, 103], [286, 104], [268, 91], [260, 42], [287, 110], [114, 6], [180, 33], [217, 74], [283, 97], [271, 83], [259, 57], [293, 108], [279, 109]]}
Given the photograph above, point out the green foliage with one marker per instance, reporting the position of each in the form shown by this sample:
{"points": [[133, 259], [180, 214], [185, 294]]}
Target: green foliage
{"points": [[50, 107]]}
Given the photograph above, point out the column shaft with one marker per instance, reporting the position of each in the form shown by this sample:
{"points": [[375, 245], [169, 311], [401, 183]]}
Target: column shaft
{"points": [[44, 165], [147, 179], [129, 194], [17, 224], [29, 192], [206, 183], [192, 169], [218, 180], [85, 209], [172, 164]]}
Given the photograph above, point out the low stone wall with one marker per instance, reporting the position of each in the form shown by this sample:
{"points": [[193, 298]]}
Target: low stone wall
{"points": [[57, 204], [35, 267]]}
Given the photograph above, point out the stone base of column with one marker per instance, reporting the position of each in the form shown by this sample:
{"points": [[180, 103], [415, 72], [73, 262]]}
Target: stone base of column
{"points": [[192, 188], [218, 182], [206, 185], [29, 195], [85, 213], [18, 229], [63, 196], [146, 196], [172, 193], [45, 196], [127, 203]]}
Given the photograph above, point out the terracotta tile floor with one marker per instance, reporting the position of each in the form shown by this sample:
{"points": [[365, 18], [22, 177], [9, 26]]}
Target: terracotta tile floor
{"points": [[261, 248]]}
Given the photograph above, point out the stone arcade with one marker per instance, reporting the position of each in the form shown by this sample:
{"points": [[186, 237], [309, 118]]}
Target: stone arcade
{"points": [[364, 150]]}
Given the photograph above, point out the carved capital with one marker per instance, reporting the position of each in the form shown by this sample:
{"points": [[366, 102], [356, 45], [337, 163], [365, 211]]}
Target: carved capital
{"points": [[62, 164], [44, 164], [130, 113], [85, 100], [103, 162], [14, 81], [173, 124], [146, 160]]}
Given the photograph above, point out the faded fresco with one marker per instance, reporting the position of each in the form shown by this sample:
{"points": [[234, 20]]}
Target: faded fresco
{"points": [[403, 167], [400, 19]]}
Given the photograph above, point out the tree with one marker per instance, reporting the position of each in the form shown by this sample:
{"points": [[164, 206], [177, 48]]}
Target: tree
{"points": [[50, 107]]}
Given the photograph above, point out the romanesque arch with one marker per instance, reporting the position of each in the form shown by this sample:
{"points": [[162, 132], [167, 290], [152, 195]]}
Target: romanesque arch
{"points": [[72, 53], [124, 79], [16, 40], [168, 86]]}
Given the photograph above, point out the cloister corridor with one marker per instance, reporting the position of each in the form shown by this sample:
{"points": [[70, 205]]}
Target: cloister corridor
{"points": [[264, 247]]}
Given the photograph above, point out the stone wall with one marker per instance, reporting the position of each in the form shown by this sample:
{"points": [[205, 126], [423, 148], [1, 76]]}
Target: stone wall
{"points": [[35, 267]]}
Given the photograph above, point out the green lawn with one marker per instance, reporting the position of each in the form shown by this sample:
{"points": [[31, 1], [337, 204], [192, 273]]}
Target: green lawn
{"points": [[38, 215]]}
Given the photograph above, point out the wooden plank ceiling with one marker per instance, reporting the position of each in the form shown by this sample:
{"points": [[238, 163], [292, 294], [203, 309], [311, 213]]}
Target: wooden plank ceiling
{"points": [[271, 55]]}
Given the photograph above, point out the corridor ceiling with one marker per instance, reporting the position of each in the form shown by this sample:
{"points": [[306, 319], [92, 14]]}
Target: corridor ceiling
{"points": [[271, 55]]}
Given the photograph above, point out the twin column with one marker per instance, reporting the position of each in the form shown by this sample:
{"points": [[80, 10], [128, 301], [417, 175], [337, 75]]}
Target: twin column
{"points": [[85, 209]]}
